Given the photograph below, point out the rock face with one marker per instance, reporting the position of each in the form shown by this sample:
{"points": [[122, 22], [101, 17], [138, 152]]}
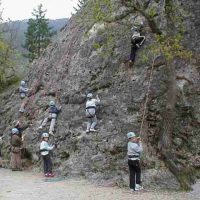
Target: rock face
{"points": [[92, 57]]}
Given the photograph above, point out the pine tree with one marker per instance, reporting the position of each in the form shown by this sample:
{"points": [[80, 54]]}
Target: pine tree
{"points": [[7, 53], [38, 34]]}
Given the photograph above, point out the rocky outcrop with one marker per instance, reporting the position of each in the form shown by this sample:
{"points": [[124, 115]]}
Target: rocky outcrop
{"points": [[92, 56]]}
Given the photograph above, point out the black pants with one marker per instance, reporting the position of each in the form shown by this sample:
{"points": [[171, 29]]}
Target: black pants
{"points": [[47, 164], [134, 47], [135, 173]]}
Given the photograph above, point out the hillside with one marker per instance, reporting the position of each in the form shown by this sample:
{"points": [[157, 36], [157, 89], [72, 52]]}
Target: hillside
{"points": [[90, 55], [14, 33], [20, 27]]}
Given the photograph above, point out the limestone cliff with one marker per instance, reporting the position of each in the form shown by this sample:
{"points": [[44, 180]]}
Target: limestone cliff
{"points": [[91, 54]]}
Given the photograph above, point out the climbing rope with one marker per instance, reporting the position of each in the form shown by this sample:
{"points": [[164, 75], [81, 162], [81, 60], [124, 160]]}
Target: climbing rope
{"points": [[147, 97]]}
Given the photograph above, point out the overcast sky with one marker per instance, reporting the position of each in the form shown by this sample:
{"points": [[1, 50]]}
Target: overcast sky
{"points": [[22, 9]]}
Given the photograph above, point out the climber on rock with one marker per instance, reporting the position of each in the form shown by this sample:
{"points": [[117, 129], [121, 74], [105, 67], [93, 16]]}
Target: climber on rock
{"points": [[136, 40], [20, 127], [23, 91], [16, 146], [134, 150], [90, 110], [52, 115], [45, 149]]}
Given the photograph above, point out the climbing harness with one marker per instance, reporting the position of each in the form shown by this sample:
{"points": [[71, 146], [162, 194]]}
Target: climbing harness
{"points": [[90, 114], [147, 96]]}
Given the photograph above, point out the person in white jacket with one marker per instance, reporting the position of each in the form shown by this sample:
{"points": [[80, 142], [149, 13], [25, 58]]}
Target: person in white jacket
{"points": [[45, 149], [134, 151], [90, 111]]}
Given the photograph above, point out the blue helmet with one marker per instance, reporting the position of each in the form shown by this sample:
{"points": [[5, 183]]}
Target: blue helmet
{"points": [[23, 83], [89, 95], [131, 135], [52, 103], [15, 131], [45, 135]]}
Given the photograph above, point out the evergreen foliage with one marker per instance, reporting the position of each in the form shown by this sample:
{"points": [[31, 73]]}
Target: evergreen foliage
{"points": [[7, 52], [38, 34]]}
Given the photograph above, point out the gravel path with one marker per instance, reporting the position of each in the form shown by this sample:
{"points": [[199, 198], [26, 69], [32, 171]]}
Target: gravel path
{"points": [[32, 186]]}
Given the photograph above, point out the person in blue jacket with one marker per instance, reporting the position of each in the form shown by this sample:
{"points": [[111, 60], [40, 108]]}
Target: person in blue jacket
{"points": [[52, 115]]}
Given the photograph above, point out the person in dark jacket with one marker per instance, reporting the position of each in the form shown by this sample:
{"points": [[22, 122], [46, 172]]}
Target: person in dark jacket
{"points": [[52, 115], [136, 42], [20, 127], [134, 151], [16, 146]]}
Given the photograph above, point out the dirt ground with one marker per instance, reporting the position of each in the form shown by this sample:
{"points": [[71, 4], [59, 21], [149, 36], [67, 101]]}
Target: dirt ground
{"points": [[33, 186]]}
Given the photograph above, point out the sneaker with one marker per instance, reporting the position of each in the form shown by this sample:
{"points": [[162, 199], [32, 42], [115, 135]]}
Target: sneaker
{"points": [[40, 127], [87, 131], [130, 63], [138, 187], [46, 175], [92, 130], [50, 175], [21, 110]]}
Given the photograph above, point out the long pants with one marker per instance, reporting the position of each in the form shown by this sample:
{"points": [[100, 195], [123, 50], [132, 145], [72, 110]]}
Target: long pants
{"points": [[47, 164], [16, 161], [51, 117], [135, 173], [134, 47], [92, 119], [23, 104], [92, 122]]}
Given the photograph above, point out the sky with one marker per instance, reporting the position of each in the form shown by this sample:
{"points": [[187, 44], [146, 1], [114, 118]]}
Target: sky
{"points": [[22, 9]]}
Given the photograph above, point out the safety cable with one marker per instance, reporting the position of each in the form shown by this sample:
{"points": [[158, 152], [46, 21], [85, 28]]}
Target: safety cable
{"points": [[147, 96]]}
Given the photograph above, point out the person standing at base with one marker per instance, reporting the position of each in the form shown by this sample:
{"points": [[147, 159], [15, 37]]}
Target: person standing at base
{"points": [[134, 150], [90, 111], [16, 146], [45, 149]]}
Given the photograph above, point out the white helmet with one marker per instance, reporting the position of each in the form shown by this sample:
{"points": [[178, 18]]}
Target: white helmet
{"points": [[52, 103], [23, 83], [15, 131], [89, 95], [131, 135], [45, 135]]}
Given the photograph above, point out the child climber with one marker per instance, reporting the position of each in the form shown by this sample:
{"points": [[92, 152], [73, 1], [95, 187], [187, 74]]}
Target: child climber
{"points": [[45, 149], [52, 115], [134, 151], [23, 91], [90, 111]]}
